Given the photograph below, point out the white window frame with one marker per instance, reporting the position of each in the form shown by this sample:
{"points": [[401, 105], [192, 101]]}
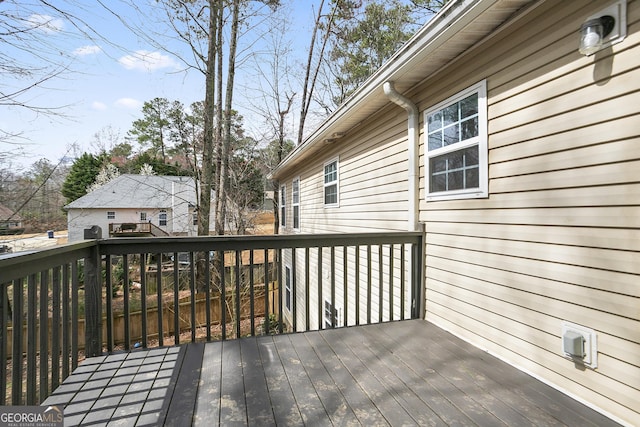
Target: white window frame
{"points": [[143, 217], [328, 306], [111, 214], [295, 203], [480, 140], [283, 205], [336, 182], [287, 288], [163, 217]]}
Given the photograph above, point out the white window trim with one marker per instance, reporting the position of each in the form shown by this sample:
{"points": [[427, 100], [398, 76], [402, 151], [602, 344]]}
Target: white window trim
{"points": [[295, 204], [327, 319], [337, 183], [282, 200], [480, 141], [162, 213], [288, 286], [111, 214]]}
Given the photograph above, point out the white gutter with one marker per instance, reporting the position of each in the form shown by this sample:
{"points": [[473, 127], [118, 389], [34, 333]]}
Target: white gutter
{"points": [[412, 150]]}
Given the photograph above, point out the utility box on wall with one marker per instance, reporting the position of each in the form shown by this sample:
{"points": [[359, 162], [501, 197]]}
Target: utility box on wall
{"points": [[579, 344]]}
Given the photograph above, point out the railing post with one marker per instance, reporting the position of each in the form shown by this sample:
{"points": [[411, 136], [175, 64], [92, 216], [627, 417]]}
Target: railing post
{"points": [[417, 279], [93, 303]]}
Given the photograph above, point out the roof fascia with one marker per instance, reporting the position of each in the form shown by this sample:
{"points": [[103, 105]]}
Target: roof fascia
{"points": [[435, 33]]}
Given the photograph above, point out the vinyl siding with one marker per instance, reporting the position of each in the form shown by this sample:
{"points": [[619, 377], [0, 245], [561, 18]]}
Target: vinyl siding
{"points": [[372, 181], [558, 238], [344, 298]]}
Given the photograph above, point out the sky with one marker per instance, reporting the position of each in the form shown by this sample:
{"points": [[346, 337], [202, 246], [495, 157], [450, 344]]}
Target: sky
{"points": [[109, 76]]}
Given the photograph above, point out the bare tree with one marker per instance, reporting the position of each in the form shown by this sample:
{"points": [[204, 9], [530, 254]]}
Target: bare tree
{"points": [[277, 95]]}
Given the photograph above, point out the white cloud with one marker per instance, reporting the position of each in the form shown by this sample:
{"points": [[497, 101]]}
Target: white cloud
{"points": [[46, 23], [144, 60], [87, 50], [129, 103], [99, 106]]}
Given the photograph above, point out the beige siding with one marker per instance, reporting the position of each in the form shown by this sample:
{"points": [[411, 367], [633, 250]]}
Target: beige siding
{"points": [[373, 186], [351, 284], [558, 239]]}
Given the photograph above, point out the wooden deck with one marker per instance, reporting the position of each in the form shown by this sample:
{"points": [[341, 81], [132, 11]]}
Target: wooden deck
{"points": [[401, 373]]}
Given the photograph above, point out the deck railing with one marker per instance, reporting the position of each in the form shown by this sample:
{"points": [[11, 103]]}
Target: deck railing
{"points": [[119, 294]]}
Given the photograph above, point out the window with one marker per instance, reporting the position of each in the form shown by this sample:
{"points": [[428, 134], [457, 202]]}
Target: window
{"points": [[194, 218], [162, 218], [456, 160], [287, 288], [329, 311], [331, 183], [111, 215], [283, 207], [143, 216], [295, 203]]}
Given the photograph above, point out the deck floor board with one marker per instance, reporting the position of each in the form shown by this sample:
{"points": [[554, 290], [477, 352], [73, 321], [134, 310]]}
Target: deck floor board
{"points": [[399, 373]]}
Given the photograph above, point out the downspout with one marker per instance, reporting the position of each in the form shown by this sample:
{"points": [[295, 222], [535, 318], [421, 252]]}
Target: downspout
{"points": [[413, 141]]}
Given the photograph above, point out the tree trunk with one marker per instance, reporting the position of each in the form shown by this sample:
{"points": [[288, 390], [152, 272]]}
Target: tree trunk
{"points": [[206, 184], [226, 142], [219, 119]]}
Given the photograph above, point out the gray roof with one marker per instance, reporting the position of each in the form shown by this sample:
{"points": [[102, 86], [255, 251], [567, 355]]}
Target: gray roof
{"points": [[6, 213], [139, 191]]}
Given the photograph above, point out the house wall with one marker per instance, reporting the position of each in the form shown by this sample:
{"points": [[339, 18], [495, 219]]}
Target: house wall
{"points": [[372, 182], [558, 238], [327, 282], [373, 168], [80, 219]]}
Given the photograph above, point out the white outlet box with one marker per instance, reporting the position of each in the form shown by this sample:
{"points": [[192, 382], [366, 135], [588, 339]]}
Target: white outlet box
{"points": [[590, 343]]}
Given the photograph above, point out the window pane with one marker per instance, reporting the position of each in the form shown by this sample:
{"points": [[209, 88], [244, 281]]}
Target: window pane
{"points": [[469, 128], [471, 156], [330, 194], [434, 121], [438, 183], [295, 191], [435, 141], [457, 170], [455, 180], [439, 164], [472, 178], [469, 106], [451, 135], [450, 114], [456, 160], [330, 172], [296, 217], [455, 129]]}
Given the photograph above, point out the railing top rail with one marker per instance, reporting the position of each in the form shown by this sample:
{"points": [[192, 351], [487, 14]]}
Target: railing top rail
{"points": [[279, 241], [18, 265]]}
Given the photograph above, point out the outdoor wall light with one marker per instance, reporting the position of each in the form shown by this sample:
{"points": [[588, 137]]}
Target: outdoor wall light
{"points": [[604, 28], [593, 32]]}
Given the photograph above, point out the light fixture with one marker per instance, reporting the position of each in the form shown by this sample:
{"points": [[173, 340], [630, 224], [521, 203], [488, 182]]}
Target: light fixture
{"points": [[593, 32]]}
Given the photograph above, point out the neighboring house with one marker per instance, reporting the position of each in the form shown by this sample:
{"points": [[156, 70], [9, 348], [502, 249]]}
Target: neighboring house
{"points": [[10, 222], [519, 157], [137, 205]]}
